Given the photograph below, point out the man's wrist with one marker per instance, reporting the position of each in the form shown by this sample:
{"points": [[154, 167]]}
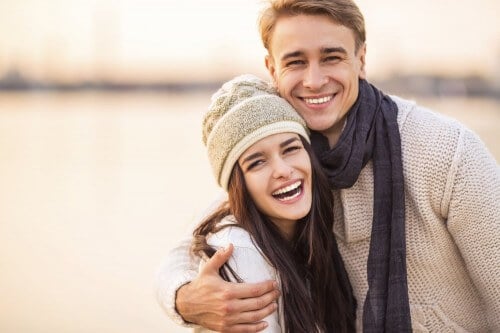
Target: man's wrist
{"points": [[180, 305]]}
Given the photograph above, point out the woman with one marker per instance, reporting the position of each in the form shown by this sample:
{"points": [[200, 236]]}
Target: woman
{"points": [[279, 210]]}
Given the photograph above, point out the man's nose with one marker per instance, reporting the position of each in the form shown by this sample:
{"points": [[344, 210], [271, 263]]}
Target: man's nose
{"points": [[314, 77]]}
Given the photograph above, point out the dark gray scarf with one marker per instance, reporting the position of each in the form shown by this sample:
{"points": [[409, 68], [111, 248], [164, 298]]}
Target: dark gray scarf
{"points": [[372, 132]]}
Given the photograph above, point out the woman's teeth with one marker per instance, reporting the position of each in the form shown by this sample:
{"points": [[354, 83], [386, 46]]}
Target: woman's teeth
{"points": [[288, 192]]}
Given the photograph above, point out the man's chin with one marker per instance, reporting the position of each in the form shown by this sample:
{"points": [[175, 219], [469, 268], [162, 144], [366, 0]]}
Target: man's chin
{"points": [[319, 124]]}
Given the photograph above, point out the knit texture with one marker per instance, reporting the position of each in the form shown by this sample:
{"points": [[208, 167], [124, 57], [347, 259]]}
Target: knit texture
{"points": [[371, 133], [244, 111], [452, 213], [452, 208]]}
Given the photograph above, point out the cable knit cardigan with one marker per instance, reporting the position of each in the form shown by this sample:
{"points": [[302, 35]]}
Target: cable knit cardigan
{"points": [[452, 207]]}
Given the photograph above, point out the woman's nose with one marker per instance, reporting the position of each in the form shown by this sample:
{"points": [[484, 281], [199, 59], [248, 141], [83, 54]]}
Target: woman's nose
{"points": [[281, 169]]}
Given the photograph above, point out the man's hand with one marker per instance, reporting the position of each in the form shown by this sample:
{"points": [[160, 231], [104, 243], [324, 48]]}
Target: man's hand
{"points": [[222, 306]]}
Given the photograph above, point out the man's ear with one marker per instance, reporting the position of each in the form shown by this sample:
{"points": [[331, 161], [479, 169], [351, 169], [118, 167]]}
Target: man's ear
{"points": [[271, 69], [362, 61]]}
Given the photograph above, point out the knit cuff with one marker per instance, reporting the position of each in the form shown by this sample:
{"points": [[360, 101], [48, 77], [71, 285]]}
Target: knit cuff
{"points": [[167, 293]]}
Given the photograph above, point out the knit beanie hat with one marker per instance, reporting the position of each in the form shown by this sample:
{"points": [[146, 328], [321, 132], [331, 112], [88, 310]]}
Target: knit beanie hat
{"points": [[243, 111]]}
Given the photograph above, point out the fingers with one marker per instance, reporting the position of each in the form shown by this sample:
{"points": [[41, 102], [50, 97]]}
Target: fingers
{"points": [[258, 315], [218, 259], [232, 307], [249, 290], [246, 328], [252, 304], [237, 313], [249, 321]]}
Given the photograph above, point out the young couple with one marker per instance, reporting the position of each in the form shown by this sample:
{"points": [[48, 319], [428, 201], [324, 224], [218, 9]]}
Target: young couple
{"points": [[416, 199]]}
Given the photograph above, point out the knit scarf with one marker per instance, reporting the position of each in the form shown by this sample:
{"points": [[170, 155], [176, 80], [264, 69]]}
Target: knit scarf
{"points": [[371, 132]]}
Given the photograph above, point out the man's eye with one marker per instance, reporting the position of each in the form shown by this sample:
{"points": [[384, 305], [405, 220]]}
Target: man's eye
{"points": [[332, 58], [295, 63]]}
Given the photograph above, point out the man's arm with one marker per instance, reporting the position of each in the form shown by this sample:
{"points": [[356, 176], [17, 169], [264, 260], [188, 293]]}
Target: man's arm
{"points": [[206, 299], [474, 220], [178, 269]]}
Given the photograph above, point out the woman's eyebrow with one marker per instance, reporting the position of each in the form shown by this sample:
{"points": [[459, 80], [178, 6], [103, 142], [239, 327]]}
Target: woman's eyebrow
{"points": [[287, 142], [251, 157]]}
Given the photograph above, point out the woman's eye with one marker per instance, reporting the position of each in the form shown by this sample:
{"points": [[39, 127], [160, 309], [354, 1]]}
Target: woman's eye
{"points": [[254, 164], [292, 149]]}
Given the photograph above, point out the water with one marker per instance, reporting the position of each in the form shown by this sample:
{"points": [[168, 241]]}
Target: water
{"points": [[95, 188]]}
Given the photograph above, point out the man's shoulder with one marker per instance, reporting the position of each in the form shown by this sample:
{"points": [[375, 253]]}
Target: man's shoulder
{"points": [[415, 119]]}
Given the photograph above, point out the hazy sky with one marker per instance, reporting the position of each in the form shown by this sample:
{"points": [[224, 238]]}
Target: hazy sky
{"points": [[197, 39]]}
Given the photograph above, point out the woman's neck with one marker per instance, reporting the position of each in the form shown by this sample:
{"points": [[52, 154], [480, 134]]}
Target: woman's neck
{"points": [[286, 227]]}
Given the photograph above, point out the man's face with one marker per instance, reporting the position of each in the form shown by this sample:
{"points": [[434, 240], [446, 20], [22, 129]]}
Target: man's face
{"points": [[314, 66]]}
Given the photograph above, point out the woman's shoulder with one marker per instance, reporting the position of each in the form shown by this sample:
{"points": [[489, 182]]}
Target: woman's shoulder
{"points": [[232, 233], [247, 259]]}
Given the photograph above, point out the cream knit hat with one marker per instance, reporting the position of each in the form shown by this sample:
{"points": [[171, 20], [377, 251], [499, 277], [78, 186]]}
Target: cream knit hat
{"points": [[243, 111]]}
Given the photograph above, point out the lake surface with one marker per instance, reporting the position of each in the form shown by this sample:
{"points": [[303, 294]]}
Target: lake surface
{"points": [[95, 188]]}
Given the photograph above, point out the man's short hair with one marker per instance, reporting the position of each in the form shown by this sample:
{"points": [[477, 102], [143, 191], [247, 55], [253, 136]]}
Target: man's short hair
{"points": [[343, 12]]}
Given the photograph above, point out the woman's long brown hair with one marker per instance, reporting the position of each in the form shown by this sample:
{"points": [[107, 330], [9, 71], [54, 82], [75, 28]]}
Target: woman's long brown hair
{"points": [[317, 295]]}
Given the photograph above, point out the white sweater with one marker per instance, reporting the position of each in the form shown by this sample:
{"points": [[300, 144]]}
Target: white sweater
{"points": [[452, 216], [249, 263]]}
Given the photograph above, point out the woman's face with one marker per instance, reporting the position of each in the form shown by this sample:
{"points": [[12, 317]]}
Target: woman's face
{"points": [[277, 173]]}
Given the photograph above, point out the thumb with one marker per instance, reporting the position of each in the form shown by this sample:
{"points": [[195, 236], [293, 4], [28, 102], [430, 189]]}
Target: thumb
{"points": [[218, 259]]}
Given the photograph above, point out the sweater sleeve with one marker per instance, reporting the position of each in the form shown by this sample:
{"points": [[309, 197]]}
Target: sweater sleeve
{"points": [[178, 269], [474, 219]]}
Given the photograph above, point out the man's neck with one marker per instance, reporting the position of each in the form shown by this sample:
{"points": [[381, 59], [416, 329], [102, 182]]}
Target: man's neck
{"points": [[333, 133]]}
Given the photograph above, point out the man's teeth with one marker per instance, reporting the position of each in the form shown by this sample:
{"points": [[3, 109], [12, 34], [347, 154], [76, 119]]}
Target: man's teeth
{"points": [[318, 100], [288, 188]]}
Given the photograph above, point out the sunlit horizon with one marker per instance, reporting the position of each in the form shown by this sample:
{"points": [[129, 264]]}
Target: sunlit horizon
{"points": [[155, 40]]}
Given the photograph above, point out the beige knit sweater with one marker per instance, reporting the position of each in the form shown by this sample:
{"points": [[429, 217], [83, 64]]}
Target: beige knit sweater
{"points": [[452, 207]]}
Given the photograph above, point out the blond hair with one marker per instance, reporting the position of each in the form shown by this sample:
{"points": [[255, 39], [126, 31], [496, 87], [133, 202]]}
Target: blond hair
{"points": [[343, 12]]}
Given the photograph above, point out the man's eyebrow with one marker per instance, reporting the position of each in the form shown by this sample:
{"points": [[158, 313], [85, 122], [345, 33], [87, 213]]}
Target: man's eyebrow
{"points": [[337, 49], [324, 50], [291, 55]]}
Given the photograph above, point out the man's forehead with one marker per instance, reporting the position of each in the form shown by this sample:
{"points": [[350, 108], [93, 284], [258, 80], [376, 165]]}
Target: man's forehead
{"points": [[309, 33], [301, 21]]}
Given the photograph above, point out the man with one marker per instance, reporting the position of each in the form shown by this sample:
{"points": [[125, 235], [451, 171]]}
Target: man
{"points": [[417, 196]]}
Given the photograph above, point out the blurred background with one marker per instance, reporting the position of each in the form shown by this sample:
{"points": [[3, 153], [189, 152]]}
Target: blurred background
{"points": [[102, 168]]}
